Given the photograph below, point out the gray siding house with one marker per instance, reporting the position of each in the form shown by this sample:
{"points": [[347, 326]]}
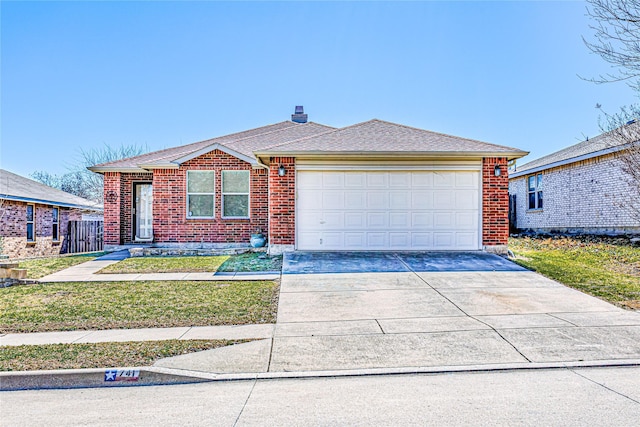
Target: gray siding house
{"points": [[580, 189]]}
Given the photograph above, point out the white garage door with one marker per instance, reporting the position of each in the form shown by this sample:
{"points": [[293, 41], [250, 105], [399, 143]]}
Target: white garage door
{"points": [[387, 210]]}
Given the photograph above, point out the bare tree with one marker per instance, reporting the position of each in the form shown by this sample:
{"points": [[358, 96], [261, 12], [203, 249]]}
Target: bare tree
{"points": [[81, 181], [616, 39]]}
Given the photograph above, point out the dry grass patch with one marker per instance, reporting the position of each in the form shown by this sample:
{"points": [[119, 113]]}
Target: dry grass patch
{"points": [[99, 355], [114, 305]]}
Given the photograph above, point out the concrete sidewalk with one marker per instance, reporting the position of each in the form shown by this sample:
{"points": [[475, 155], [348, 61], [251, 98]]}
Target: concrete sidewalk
{"points": [[88, 272]]}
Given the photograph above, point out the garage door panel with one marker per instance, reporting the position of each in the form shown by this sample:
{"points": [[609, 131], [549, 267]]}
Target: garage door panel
{"points": [[377, 200], [422, 220], [377, 220], [332, 199], [400, 179], [377, 180], [444, 180], [399, 200], [387, 210], [354, 200], [399, 220], [377, 240], [355, 220], [422, 180], [355, 180], [422, 199]]}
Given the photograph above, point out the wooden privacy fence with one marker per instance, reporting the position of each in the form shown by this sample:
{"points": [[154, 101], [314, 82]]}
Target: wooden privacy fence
{"points": [[84, 236]]}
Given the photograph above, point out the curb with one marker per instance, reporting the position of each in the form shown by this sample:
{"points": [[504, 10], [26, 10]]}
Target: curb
{"points": [[148, 376]]}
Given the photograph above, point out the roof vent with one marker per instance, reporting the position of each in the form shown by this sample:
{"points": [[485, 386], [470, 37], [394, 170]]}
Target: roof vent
{"points": [[299, 116]]}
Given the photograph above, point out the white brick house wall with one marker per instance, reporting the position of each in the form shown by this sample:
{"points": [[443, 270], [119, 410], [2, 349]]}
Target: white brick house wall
{"points": [[590, 196]]}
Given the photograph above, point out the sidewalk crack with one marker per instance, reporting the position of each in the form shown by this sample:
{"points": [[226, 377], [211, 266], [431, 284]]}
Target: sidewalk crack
{"points": [[604, 386], [245, 402]]}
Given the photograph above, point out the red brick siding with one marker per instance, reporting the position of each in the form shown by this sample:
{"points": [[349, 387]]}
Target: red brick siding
{"points": [[13, 229], [170, 223], [112, 203], [282, 196], [495, 202]]}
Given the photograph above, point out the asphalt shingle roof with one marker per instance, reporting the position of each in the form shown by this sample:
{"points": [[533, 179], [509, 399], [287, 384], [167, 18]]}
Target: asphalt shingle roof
{"points": [[386, 137], [245, 142], [16, 187], [593, 145]]}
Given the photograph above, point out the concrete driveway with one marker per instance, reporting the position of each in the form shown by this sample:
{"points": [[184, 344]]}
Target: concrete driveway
{"points": [[377, 310]]}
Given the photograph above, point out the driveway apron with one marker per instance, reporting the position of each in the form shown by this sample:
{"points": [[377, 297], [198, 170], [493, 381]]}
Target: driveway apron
{"points": [[365, 310]]}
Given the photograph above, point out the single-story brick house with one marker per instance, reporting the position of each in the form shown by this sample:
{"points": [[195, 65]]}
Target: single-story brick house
{"points": [[34, 217], [371, 186], [585, 190]]}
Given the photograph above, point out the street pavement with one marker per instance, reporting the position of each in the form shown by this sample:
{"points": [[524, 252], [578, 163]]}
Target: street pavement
{"points": [[558, 397]]}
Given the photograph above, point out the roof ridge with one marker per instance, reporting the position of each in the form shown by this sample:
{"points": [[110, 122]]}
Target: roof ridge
{"points": [[197, 142]]}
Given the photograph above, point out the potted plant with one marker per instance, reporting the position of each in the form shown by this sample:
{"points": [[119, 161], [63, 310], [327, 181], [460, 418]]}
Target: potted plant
{"points": [[258, 239]]}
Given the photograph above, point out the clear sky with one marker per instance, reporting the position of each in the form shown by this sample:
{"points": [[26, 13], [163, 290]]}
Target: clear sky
{"points": [[82, 74]]}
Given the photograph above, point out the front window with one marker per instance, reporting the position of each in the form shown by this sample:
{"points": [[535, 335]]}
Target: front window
{"points": [[55, 225], [200, 194], [534, 190], [235, 194], [31, 223]]}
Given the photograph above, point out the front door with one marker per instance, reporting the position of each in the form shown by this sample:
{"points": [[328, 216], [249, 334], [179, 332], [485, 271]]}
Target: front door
{"points": [[142, 212]]}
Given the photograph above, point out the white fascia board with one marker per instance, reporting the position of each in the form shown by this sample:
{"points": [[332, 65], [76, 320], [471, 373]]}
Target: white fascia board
{"points": [[587, 156], [209, 148], [97, 169]]}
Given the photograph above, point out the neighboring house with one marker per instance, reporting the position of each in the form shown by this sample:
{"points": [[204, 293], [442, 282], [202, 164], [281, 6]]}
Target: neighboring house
{"points": [[580, 189], [371, 186], [34, 217]]}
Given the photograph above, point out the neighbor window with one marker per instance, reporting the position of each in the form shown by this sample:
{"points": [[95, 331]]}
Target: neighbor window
{"points": [[235, 194], [55, 225], [31, 223], [534, 191], [200, 194]]}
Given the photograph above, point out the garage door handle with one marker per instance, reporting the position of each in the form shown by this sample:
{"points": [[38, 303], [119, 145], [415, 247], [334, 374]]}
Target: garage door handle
{"points": [[321, 222]]}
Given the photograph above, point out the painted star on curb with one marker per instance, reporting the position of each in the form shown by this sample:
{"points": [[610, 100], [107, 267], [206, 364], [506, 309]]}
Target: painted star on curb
{"points": [[110, 375]]}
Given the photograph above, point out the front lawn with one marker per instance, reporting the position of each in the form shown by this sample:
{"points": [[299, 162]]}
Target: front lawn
{"points": [[99, 355], [112, 305], [247, 262], [40, 267], [603, 267]]}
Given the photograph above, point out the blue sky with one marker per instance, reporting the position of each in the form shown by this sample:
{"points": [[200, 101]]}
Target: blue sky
{"points": [[82, 74]]}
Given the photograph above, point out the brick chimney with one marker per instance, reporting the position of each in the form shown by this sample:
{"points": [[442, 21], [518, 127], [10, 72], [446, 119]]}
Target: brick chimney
{"points": [[299, 116]]}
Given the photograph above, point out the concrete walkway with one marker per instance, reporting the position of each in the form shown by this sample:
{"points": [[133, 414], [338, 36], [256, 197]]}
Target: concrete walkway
{"points": [[88, 272]]}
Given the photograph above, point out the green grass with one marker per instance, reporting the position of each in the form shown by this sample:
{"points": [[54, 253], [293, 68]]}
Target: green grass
{"points": [[248, 262], [99, 355], [110, 305], [191, 264], [37, 268], [605, 268]]}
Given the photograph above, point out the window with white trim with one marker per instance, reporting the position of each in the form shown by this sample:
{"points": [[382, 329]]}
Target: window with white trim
{"points": [[235, 194], [55, 224], [534, 191], [200, 194], [31, 223]]}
